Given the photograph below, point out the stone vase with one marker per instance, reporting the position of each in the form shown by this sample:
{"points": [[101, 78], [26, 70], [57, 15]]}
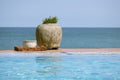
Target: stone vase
{"points": [[29, 43], [49, 35]]}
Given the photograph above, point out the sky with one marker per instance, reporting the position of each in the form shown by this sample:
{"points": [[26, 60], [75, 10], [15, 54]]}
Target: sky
{"points": [[70, 13]]}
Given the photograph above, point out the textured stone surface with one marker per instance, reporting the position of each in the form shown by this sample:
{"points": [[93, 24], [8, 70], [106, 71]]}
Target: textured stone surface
{"points": [[38, 48], [49, 35]]}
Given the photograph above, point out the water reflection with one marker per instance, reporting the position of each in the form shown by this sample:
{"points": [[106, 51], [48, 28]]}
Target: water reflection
{"points": [[48, 65], [45, 59]]}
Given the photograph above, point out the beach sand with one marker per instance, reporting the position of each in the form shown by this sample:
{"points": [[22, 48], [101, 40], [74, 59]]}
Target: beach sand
{"points": [[73, 50]]}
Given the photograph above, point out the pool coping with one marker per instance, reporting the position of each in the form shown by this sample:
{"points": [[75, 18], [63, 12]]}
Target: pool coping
{"points": [[73, 50]]}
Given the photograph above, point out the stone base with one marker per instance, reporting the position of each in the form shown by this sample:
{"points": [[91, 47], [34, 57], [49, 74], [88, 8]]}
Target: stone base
{"points": [[38, 48]]}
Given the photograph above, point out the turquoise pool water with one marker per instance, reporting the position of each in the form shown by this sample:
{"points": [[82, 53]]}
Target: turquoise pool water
{"points": [[59, 66]]}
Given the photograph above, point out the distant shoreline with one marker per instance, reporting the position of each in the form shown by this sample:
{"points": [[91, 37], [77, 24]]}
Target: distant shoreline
{"points": [[73, 50]]}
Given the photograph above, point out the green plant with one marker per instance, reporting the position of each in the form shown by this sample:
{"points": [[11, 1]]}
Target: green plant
{"points": [[50, 20]]}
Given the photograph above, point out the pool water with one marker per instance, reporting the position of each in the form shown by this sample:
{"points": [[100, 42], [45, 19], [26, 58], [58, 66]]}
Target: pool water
{"points": [[63, 66]]}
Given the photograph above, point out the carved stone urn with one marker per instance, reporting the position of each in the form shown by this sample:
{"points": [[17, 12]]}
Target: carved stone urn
{"points": [[49, 34]]}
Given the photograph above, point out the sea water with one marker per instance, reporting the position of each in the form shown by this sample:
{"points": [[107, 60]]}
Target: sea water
{"points": [[59, 66], [72, 37]]}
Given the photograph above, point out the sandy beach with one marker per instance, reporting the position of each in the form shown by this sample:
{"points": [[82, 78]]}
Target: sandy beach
{"points": [[73, 50]]}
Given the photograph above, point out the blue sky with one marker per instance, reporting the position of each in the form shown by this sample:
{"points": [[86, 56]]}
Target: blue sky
{"points": [[71, 13]]}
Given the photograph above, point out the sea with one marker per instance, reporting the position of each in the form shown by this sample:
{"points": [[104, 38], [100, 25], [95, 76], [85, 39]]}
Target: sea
{"points": [[72, 37]]}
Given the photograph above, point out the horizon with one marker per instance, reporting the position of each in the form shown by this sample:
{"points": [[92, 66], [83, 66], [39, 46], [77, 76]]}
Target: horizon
{"points": [[87, 13], [61, 26]]}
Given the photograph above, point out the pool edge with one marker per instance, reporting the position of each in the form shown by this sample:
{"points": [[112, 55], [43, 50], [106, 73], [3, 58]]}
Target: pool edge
{"points": [[73, 50]]}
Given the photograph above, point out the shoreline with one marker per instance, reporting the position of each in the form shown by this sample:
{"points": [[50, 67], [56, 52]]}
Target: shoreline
{"points": [[73, 50]]}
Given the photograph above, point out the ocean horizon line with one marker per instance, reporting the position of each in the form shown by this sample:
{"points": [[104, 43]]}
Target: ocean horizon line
{"points": [[62, 27]]}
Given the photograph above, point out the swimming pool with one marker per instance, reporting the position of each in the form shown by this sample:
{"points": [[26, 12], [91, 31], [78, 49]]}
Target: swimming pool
{"points": [[59, 66]]}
